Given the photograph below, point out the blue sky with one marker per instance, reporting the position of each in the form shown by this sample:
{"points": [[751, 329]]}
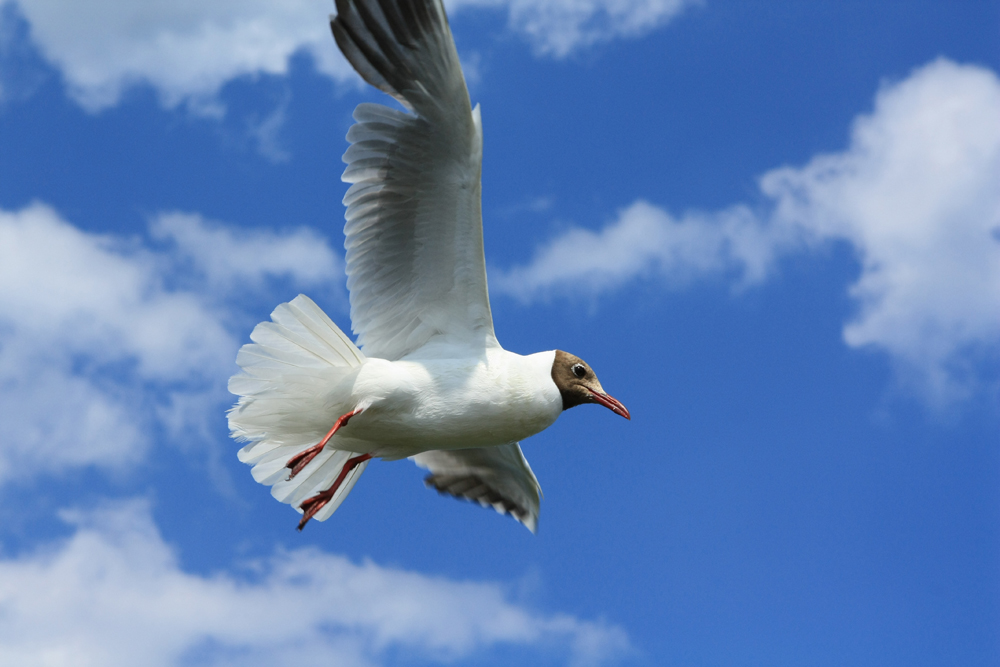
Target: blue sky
{"points": [[773, 229]]}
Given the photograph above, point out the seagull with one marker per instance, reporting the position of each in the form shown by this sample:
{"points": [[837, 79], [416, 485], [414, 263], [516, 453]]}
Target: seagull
{"points": [[427, 379]]}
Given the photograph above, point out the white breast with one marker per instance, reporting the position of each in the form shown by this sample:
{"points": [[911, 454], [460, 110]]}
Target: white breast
{"points": [[420, 404]]}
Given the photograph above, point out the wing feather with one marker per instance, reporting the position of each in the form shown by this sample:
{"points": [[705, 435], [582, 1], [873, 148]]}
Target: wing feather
{"points": [[497, 477], [414, 238]]}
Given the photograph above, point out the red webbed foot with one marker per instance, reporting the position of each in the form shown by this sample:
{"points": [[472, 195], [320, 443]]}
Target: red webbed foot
{"points": [[302, 459], [310, 506]]}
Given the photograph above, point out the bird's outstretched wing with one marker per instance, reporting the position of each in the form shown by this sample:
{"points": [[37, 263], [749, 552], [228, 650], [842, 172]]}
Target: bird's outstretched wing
{"points": [[497, 477], [415, 265]]}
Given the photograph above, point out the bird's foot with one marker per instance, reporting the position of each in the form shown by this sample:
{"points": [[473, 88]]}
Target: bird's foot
{"points": [[302, 459], [310, 506]]}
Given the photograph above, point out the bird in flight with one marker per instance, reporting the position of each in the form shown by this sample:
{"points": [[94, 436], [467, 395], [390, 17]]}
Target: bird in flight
{"points": [[430, 382]]}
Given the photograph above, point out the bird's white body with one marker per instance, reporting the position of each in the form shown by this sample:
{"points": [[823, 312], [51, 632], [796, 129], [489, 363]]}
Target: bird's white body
{"points": [[460, 415], [415, 405]]}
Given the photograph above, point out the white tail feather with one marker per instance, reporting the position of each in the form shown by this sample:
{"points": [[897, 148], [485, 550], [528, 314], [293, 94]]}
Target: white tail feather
{"points": [[288, 373]]}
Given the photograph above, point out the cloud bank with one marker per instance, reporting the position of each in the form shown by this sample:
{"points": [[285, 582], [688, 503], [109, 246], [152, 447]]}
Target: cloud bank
{"points": [[100, 335], [114, 594], [188, 50], [916, 194], [106, 341]]}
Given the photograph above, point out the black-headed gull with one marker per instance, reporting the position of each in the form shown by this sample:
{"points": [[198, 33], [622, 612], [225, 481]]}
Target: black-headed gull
{"points": [[432, 382]]}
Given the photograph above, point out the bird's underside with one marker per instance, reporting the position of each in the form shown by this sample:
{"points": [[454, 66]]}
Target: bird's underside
{"points": [[285, 387]]}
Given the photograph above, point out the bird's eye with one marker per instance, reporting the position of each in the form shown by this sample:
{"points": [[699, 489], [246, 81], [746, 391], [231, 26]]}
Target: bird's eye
{"points": [[579, 370]]}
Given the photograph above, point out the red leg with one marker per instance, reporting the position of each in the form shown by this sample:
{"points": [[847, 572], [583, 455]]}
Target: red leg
{"points": [[302, 459], [314, 504]]}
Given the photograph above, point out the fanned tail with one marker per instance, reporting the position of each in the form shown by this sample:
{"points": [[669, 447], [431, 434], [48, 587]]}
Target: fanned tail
{"points": [[289, 373]]}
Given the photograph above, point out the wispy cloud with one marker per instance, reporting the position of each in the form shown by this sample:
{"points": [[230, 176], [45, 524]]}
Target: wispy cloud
{"points": [[916, 194], [101, 335], [224, 258], [558, 28], [266, 132], [188, 50], [21, 71], [645, 240], [114, 594]]}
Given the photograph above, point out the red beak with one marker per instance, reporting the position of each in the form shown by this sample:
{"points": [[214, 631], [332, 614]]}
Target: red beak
{"points": [[612, 404]]}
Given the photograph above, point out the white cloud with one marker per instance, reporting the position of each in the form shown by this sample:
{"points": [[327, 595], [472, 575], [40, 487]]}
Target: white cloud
{"points": [[266, 132], [20, 72], [88, 321], [115, 594], [916, 194], [644, 241], [228, 260], [187, 49], [560, 27]]}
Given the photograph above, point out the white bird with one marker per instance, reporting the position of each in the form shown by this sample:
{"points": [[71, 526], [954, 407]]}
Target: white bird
{"points": [[432, 382]]}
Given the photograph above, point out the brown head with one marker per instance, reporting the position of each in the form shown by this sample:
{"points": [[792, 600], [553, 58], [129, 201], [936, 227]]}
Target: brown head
{"points": [[578, 384]]}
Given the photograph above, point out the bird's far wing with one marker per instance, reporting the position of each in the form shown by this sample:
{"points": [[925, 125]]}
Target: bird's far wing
{"points": [[415, 265], [497, 477]]}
